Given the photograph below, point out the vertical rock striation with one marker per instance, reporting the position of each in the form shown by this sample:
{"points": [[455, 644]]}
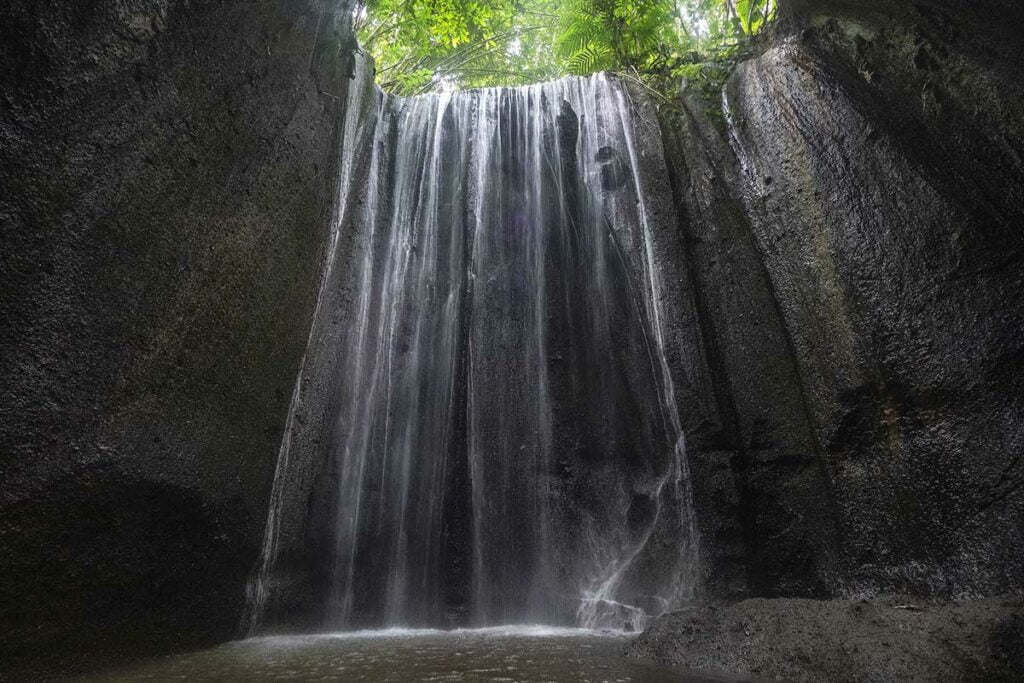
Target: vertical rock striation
{"points": [[853, 240], [762, 498], [856, 258], [882, 169]]}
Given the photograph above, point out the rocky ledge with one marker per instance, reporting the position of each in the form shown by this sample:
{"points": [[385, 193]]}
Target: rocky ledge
{"points": [[885, 639]]}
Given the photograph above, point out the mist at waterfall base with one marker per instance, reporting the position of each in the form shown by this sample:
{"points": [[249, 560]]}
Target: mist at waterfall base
{"points": [[501, 444], [521, 654]]}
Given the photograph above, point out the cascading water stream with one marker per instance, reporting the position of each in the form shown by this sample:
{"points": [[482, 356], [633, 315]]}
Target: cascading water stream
{"points": [[506, 446]]}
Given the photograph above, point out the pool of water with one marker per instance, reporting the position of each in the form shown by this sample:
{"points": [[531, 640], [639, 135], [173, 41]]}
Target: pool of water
{"points": [[521, 654]]}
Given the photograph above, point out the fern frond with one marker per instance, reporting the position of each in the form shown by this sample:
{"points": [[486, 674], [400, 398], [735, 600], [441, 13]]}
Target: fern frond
{"points": [[588, 60]]}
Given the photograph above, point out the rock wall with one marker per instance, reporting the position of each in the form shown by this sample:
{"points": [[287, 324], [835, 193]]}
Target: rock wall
{"points": [[844, 640], [296, 561], [168, 175], [857, 252], [755, 465]]}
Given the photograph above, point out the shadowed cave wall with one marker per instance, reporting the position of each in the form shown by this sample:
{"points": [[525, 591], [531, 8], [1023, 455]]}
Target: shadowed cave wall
{"points": [[168, 174]]}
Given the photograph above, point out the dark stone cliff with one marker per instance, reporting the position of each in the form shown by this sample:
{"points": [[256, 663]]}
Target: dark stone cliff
{"points": [[855, 238], [852, 224], [168, 175]]}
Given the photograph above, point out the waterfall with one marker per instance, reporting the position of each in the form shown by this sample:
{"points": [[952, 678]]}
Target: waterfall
{"points": [[504, 444]]}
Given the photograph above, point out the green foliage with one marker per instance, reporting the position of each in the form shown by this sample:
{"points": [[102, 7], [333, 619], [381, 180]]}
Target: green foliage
{"points": [[422, 45], [601, 35]]}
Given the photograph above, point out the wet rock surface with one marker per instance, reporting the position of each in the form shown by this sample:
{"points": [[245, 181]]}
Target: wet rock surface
{"points": [[167, 183], [838, 640], [855, 252], [885, 196], [853, 241], [755, 466]]}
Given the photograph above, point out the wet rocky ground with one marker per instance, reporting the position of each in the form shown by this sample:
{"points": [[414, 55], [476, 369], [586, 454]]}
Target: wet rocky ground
{"points": [[890, 639]]}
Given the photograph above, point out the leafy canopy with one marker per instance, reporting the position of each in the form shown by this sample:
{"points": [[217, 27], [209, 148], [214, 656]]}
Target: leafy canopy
{"points": [[424, 45]]}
